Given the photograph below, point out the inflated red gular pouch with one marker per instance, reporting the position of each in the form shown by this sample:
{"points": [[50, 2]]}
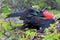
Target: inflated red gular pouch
{"points": [[48, 15]]}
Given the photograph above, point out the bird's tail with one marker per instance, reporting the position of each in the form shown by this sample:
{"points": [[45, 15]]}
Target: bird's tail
{"points": [[13, 15]]}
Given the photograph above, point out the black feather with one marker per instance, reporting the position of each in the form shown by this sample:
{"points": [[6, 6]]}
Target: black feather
{"points": [[13, 15]]}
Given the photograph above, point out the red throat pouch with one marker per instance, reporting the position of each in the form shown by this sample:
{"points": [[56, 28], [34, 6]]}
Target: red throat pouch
{"points": [[48, 15]]}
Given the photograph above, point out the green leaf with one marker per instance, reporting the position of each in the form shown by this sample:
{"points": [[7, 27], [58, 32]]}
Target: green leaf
{"points": [[6, 9], [1, 35], [52, 25], [57, 16], [6, 26], [47, 31]]}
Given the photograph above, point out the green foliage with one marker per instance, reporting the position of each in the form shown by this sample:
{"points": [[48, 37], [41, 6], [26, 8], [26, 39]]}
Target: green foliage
{"points": [[5, 10], [35, 6], [57, 16], [52, 36], [30, 33], [6, 26], [47, 31], [58, 4], [52, 25], [1, 35]]}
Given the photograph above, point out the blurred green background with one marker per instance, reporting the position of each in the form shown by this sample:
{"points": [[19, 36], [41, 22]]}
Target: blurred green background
{"points": [[20, 5]]}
